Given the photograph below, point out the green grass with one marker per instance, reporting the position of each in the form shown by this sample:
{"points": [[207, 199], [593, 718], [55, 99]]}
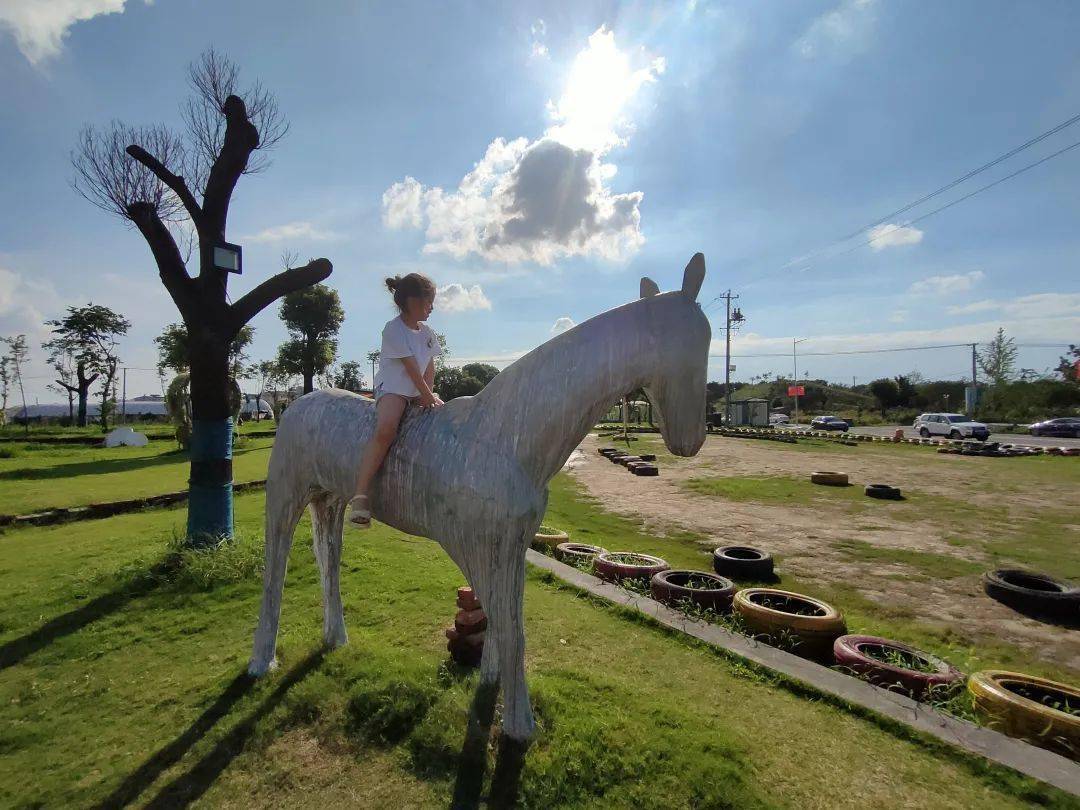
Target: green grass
{"points": [[39, 476], [122, 665], [936, 566]]}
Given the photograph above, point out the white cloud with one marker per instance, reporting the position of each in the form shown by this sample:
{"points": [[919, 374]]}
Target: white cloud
{"points": [[561, 325], [840, 33], [947, 285], [898, 316], [883, 236], [292, 231], [459, 298], [545, 199], [1038, 305], [39, 26], [538, 30]]}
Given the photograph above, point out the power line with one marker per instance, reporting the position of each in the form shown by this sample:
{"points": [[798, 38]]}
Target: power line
{"points": [[896, 349]]}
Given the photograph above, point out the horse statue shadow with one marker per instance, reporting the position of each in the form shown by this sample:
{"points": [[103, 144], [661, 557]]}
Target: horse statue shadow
{"points": [[473, 474]]}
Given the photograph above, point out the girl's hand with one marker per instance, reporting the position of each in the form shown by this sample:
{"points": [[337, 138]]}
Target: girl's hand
{"points": [[430, 401]]}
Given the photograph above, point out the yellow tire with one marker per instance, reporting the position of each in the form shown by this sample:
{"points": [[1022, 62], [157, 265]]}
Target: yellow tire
{"points": [[1017, 705], [829, 479], [771, 613], [547, 542]]}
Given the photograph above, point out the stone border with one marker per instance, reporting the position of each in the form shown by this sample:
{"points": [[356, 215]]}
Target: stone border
{"points": [[93, 511], [1020, 756]]}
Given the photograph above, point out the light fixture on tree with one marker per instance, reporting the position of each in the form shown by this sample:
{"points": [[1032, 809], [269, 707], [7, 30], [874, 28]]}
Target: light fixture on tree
{"points": [[228, 257]]}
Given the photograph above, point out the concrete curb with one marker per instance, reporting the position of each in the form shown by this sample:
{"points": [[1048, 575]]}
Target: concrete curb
{"points": [[1020, 756], [93, 511]]}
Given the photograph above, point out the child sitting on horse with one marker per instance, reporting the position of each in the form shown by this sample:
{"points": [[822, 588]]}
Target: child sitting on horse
{"points": [[406, 376]]}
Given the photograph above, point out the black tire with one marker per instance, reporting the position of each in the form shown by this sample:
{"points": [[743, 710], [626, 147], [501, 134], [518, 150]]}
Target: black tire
{"points": [[883, 492], [955, 434], [646, 469], [670, 588], [1033, 593], [924, 433], [743, 562]]}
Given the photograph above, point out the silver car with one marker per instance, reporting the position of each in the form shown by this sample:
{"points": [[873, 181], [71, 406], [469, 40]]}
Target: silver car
{"points": [[952, 425]]}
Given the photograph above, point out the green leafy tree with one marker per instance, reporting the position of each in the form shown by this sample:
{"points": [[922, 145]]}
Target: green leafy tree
{"points": [[467, 381], [15, 358], [313, 317], [905, 391], [350, 378], [162, 181], [87, 337], [886, 392], [1069, 365], [998, 361]]}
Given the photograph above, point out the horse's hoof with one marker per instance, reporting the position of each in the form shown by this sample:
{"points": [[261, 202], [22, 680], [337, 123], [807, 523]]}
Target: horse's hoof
{"points": [[336, 640], [256, 669]]}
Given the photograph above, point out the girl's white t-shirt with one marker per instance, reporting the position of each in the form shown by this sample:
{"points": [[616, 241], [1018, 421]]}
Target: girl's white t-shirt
{"points": [[399, 341]]}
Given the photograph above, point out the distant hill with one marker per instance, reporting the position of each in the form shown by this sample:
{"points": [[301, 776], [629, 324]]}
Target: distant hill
{"points": [[820, 396]]}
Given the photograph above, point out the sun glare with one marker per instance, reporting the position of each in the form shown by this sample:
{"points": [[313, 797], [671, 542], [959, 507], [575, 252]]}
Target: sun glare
{"points": [[601, 82]]}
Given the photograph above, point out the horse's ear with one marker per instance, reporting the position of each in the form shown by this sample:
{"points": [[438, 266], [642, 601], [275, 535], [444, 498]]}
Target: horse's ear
{"points": [[693, 275], [648, 287]]}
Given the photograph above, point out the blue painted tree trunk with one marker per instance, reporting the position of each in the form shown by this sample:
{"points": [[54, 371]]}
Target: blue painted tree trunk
{"points": [[210, 507]]}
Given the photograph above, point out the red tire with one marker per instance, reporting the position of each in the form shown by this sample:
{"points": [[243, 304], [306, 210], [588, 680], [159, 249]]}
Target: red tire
{"points": [[710, 592], [863, 655], [615, 566]]}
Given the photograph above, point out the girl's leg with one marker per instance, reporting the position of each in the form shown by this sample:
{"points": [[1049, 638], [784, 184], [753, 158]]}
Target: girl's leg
{"points": [[388, 411]]}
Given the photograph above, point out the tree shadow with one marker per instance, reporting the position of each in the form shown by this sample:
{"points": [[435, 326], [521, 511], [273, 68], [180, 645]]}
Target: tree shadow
{"points": [[14, 651], [188, 787], [103, 466]]}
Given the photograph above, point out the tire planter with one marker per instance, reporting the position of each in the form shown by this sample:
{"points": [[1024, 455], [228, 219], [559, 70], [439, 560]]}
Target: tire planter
{"points": [[857, 653], [626, 460], [883, 492], [646, 469], [710, 592], [615, 566], [648, 457], [743, 562], [1022, 706], [829, 478], [544, 541], [577, 553], [1031, 592], [813, 625]]}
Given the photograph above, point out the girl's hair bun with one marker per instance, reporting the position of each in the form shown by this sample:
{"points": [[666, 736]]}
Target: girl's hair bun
{"points": [[392, 283], [412, 285]]}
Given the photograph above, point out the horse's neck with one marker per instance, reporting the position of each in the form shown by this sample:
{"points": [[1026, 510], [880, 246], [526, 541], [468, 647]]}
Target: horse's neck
{"points": [[545, 403]]}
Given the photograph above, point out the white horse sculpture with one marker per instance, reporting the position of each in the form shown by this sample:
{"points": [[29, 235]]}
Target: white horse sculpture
{"points": [[473, 474]]}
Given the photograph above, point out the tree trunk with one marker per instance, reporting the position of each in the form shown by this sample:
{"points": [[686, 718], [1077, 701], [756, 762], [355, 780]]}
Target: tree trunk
{"points": [[309, 381], [210, 507]]}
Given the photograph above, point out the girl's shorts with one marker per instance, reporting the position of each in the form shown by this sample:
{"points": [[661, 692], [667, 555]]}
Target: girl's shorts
{"points": [[379, 392]]}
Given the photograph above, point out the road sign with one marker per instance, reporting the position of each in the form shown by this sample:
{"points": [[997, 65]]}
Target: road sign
{"points": [[796, 391]]}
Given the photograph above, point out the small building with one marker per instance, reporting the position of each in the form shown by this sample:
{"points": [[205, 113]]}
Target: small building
{"points": [[752, 412]]}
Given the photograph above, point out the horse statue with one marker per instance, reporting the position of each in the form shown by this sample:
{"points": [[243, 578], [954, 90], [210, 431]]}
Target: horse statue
{"points": [[473, 474]]}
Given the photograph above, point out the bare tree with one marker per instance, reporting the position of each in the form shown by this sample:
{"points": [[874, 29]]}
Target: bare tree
{"points": [[142, 175]]}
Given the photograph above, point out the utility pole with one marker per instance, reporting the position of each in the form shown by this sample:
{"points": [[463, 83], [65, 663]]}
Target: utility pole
{"points": [[737, 318], [974, 383], [795, 360], [123, 399]]}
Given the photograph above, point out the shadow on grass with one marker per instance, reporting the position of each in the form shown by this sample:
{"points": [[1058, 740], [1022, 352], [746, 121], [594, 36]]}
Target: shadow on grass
{"points": [[100, 466], [200, 777], [472, 762], [19, 648]]}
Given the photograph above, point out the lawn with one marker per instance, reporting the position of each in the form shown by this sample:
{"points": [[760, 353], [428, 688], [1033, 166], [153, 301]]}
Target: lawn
{"points": [[39, 476], [123, 682]]}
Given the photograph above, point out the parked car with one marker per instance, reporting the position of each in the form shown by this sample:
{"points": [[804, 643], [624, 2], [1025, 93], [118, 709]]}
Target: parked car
{"points": [[778, 419], [952, 425], [828, 423], [1066, 427]]}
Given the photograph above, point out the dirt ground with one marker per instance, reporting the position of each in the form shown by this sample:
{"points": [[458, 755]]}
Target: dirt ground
{"points": [[809, 538]]}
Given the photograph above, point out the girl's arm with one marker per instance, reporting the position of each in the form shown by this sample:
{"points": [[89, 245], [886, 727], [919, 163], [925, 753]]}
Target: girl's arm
{"points": [[427, 397], [429, 374]]}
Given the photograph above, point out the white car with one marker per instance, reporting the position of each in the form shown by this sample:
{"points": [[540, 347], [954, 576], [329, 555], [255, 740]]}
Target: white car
{"points": [[778, 419], [951, 425]]}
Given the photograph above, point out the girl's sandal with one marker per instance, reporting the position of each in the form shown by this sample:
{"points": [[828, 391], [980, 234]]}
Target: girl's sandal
{"points": [[359, 514]]}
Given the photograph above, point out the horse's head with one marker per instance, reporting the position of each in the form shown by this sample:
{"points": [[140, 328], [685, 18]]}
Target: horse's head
{"points": [[680, 337]]}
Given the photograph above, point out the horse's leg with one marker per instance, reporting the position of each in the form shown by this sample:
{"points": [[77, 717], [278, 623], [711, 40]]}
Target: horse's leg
{"points": [[284, 505], [328, 524], [506, 616]]}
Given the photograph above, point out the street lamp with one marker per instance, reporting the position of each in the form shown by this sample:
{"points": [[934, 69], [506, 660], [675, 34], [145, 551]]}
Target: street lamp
{"points": [[795, 360]]}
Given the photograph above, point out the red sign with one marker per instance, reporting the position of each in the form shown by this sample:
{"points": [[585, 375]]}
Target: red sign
{"points": [[796, 391]]}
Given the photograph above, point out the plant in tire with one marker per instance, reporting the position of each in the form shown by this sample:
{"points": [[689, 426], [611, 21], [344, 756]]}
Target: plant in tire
{"points": [[616, 566], [791, 617]]}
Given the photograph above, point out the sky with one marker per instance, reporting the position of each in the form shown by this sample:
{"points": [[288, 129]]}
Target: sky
{"points": [[537, 159]]}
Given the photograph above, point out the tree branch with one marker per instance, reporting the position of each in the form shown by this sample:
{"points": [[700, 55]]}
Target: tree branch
{"points": [[241, 139], [167, 255], [287, 281], [173, 181]]}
